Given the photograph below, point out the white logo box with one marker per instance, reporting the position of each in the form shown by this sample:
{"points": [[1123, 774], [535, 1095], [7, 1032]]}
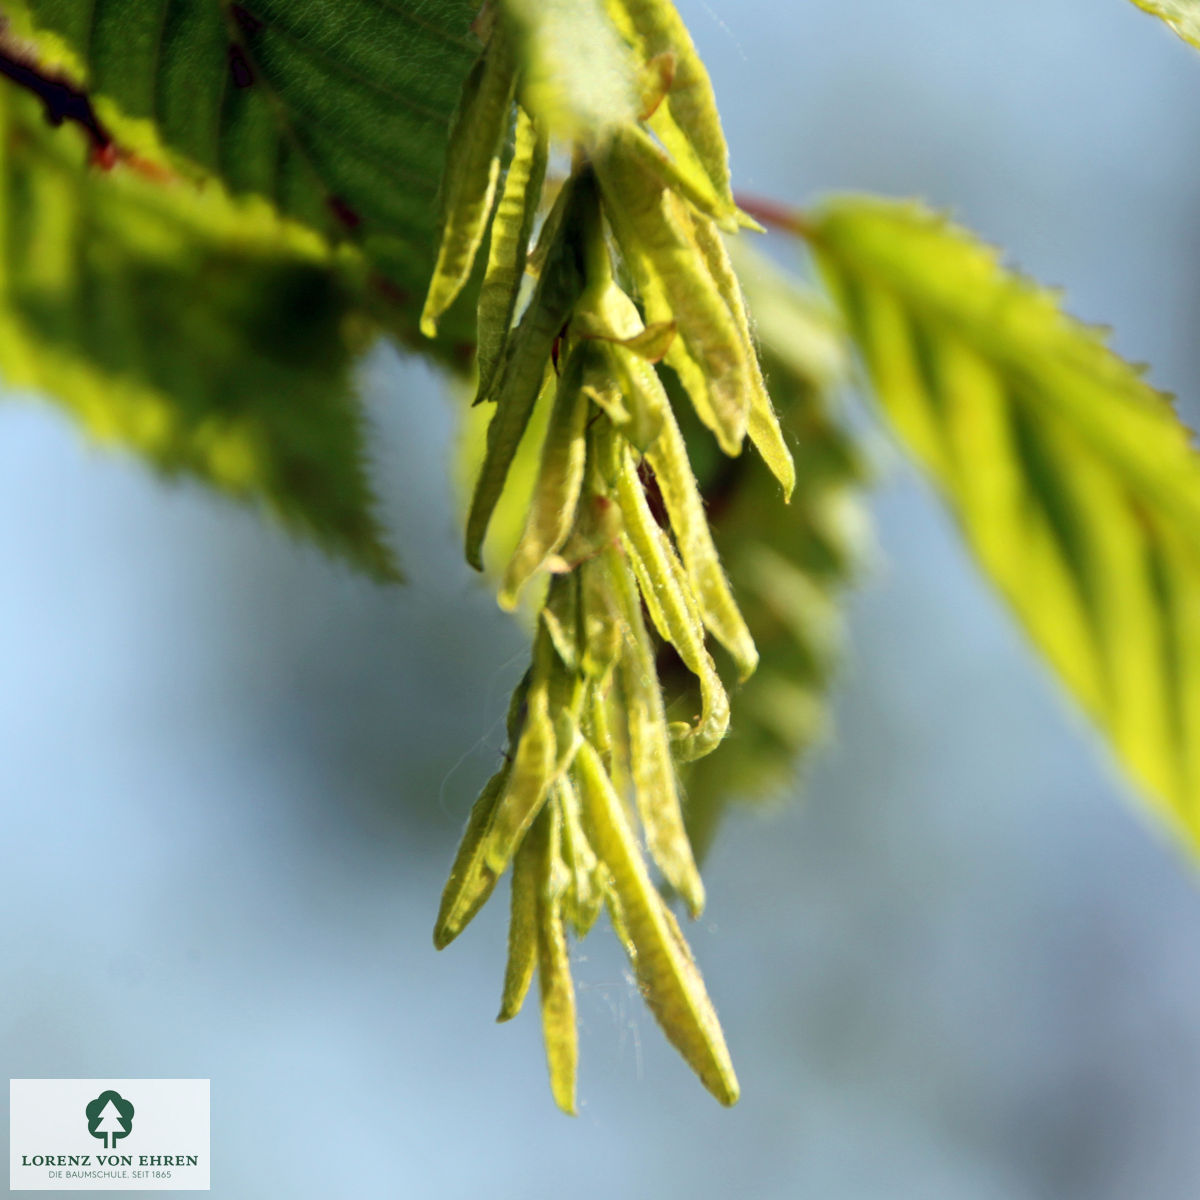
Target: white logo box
{"points": [[51, 1148]]}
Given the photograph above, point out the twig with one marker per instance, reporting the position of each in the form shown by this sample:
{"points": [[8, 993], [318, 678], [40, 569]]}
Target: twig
{"points": [[774, 215], [62, 100]]}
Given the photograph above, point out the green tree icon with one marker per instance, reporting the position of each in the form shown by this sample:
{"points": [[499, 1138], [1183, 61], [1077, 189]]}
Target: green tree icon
{"points": [[109, 1116]]}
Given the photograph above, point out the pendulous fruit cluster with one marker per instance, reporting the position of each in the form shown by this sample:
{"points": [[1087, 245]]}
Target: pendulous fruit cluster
{"points": [[631, 284]]}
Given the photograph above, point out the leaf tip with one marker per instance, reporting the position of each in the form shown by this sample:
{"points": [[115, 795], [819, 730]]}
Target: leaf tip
{"points": [[727, 1090]]}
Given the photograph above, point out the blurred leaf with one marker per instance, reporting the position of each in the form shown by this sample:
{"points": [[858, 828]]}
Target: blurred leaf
{"points": [[1073, 481], [335, 111], [208, 335], [1183, 16], [788, 564]]}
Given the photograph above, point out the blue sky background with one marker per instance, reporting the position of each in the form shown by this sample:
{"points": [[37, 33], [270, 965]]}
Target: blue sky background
{"points": [[232, 777]]}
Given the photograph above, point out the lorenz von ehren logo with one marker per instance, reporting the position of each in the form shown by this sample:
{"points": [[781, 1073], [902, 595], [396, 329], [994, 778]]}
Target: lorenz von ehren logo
{"points": [[115, 1135], [109, 1117]]}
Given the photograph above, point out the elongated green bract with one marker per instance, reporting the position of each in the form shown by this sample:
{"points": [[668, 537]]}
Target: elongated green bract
{"points": [[601, 622], [666, 972], [509, 246], [533, 766], [645, 397], [762, 424], [693, 185], [584, 898], [525, 364], [560, 615], [472, 171], [687, 123], [524, 380], [652, 770], [527, 880], [556, 493], [685, 508], [554, 970], [672, 608], [471, 878], [676, 285]]}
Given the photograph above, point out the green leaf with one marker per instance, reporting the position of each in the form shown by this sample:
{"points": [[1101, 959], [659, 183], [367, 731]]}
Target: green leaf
{"points": [[335, 111], [1073, 481], [1183, 16], [209, 336]]}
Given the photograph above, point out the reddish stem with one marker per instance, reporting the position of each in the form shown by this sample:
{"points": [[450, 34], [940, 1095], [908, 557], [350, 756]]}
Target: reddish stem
{"points": [[774, 215]]}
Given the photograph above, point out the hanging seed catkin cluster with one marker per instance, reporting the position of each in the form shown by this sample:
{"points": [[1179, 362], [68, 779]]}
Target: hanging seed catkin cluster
{"points": [[630, 281]]}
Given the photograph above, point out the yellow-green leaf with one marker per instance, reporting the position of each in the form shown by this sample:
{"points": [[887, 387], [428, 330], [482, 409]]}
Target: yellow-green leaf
{"points": [[1074, 482], [1183, 16]]}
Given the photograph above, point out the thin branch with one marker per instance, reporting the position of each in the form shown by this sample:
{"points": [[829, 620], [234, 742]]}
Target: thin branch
{"points": [[61, 99], [774, 215]]}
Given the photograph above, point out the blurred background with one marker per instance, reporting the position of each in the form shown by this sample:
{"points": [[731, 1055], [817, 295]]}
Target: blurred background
{"points": [[233, 777]]}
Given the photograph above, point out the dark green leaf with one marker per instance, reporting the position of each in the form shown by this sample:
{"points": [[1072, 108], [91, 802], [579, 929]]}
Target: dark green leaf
{"points": [[335, 111]]}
